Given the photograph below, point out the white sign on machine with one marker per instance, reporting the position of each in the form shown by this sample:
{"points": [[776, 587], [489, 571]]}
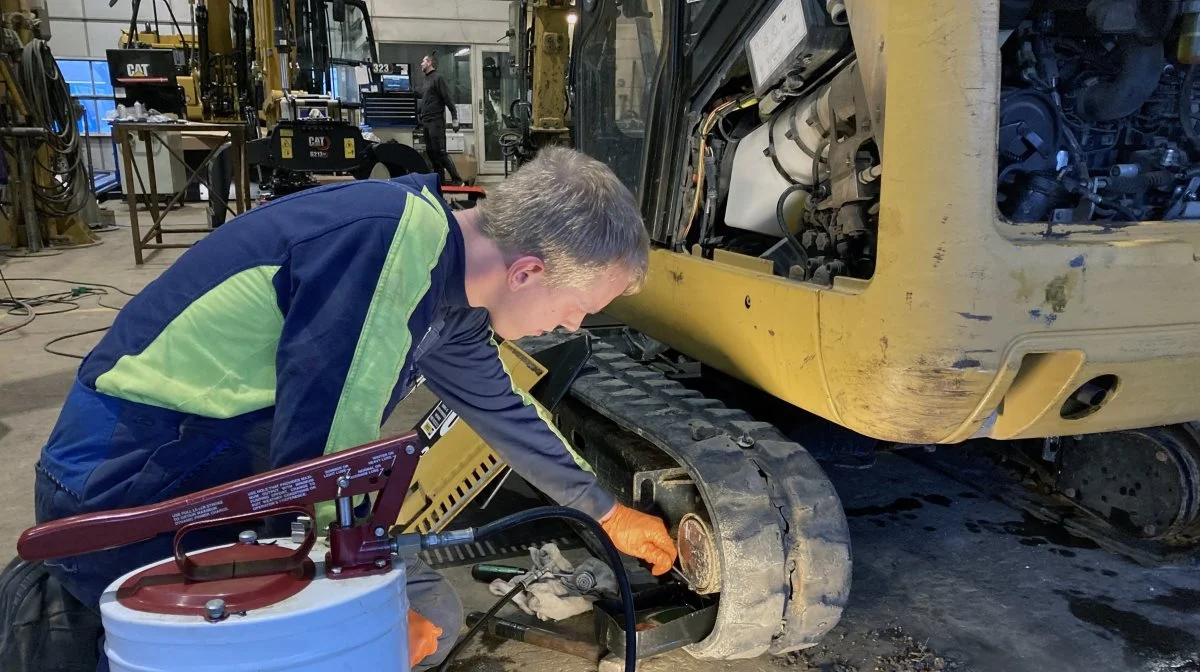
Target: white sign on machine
{"points": [[771, 45]]}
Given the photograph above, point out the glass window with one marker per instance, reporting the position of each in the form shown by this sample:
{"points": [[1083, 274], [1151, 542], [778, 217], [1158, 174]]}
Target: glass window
{"points": [[78, 75], [454, 62], [344, 83], [616, 60], [100, 78], [637, 41], [89, 83], [103, 107], [501, 88], [348, 39]]}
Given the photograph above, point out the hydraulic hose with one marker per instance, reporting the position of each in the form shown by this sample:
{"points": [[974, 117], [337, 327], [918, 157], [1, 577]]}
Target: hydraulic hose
{"points": [[462, 643], [783, 226], [614, 560], [1121, 96]]}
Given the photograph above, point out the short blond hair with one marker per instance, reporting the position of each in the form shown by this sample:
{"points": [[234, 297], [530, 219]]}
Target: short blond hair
{"points": [[572, 212]]}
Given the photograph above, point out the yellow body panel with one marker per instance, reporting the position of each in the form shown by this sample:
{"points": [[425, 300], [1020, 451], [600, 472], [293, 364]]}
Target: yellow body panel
{"points": [[551, 51], [971, 325], [460, 465]]}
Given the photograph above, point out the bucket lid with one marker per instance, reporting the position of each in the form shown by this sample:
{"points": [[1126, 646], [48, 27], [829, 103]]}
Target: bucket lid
{"points": [[237, 576]]}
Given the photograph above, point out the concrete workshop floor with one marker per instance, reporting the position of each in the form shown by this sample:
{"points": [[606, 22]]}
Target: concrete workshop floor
{"points": [[944, 579]]}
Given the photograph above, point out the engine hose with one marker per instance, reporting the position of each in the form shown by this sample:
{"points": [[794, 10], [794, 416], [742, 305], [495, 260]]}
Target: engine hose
{"points": [[1185, 108], [1121, 96], [782, 221], [1140, 183], [614, 560], [771, 147]]}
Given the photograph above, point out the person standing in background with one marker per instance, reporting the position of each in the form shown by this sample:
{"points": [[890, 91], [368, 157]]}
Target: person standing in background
{"points": [[435, 97]]}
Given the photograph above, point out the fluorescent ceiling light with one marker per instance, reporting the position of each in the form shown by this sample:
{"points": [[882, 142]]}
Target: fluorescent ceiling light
{"points": [[462, 52]]}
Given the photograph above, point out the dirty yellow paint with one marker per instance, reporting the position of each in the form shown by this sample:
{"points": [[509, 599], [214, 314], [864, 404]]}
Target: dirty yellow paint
{"points": [[1059, 291], [939, 341], [1025, 286]]}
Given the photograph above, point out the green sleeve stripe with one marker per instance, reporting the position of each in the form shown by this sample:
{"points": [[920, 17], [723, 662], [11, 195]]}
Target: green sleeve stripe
{"points": [[544, 415], [215, 359], [384, 341]]}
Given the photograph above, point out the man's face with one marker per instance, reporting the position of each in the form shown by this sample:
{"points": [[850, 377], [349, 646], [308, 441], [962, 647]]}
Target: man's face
{"points": [[426, 65], [530, 308]]}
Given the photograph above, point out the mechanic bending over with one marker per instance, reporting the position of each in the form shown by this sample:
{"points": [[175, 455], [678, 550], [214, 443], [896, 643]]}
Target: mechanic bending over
{"points": [[295, 330]]}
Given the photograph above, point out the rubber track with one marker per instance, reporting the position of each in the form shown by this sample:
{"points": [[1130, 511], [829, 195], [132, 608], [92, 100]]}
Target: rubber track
{"points": [[784, 541]]}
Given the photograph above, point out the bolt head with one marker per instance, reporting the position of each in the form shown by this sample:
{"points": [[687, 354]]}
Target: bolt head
{"points": [[214, 609], [1149, 530], [248, 537], [381, 563], [335, 570], [410, 449], [745, 441], [1162, 456], [379, 531], [343, 482]]}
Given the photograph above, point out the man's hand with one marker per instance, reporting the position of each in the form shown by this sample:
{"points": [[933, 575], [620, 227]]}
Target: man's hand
{"points": [[422, 637], [455, 126], [642, 536]]}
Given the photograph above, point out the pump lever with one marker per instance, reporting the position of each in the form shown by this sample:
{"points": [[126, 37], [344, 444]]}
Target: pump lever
{"points": [[387, 466]]}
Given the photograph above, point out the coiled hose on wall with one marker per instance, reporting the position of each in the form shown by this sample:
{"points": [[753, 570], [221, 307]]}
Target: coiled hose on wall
{"points": [[51, 107]]}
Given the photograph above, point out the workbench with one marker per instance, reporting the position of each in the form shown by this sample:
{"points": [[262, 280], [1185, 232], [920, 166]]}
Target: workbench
{"points": [[200, 135]]}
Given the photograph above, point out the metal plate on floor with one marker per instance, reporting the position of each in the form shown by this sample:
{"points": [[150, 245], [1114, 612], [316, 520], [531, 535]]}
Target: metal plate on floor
{"points": [[668, 617]]}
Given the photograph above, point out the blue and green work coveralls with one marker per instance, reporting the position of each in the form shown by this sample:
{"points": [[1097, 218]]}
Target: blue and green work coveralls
{"points": [[291, 332]]}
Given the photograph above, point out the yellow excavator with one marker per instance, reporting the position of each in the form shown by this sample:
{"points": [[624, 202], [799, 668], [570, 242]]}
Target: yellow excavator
{"points": [[539, 42], [271, 64], [925, 225]]}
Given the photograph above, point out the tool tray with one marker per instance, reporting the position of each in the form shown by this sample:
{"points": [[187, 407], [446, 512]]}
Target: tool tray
{"points": [[668, 617]]}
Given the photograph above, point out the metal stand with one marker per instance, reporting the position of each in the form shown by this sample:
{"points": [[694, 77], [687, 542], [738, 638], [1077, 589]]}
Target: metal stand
{"points": [[146, 133], [26, 138]]}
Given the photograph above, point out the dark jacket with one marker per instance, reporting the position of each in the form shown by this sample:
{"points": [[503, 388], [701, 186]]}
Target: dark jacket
{"points": [[434, 98], [313, 314]]}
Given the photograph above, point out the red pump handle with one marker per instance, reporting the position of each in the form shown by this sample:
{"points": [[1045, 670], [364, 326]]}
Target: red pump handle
{"points": [[386, 465]]}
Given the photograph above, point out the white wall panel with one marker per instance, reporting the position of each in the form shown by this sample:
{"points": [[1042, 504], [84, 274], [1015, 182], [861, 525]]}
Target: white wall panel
{"points": [[102, 36], [72, 9], [445, 32], [99, 9], [443, 10], [102, 154], [68, 39]]}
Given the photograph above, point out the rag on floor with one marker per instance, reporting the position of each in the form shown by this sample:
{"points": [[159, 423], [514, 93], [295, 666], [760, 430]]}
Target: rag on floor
{"points": [[550, 598]]}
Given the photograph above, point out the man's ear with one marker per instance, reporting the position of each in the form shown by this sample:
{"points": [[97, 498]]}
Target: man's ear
{"points": [[524, 272]]}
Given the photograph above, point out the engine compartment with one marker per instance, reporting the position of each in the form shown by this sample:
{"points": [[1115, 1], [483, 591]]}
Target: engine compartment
{"points": [[1097, 124], [1098, 114]]}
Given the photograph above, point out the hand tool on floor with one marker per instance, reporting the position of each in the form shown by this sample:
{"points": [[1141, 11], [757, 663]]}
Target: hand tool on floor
{"points": [[540, 637], [581, 580]]}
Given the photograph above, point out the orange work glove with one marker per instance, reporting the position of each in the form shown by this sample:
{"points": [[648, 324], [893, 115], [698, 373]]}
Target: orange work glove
{"points": [[642, 536], [422, 637]]}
